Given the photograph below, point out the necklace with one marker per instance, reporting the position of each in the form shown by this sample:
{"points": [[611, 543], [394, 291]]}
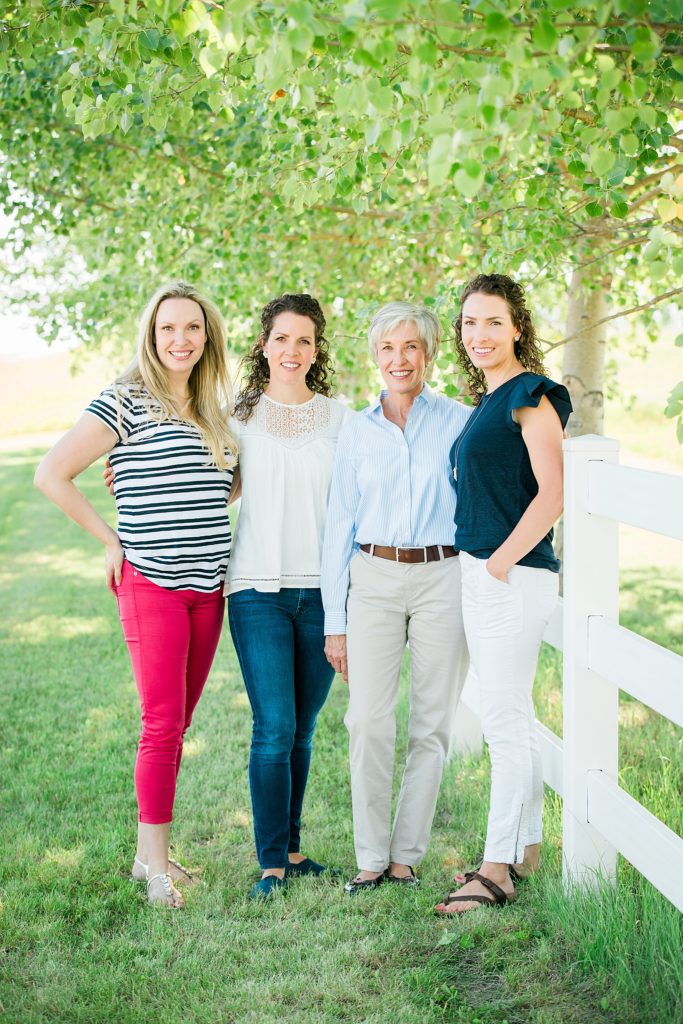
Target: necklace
{"points": [[477, 412], [484, 400]]}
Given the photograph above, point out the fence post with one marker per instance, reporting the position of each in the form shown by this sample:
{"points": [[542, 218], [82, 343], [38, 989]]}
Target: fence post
{"points": [[591, 704]]}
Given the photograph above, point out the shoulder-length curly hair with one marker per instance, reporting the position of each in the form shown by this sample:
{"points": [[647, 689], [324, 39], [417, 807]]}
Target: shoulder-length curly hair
{"points": [[527, 349], [254, 365]]}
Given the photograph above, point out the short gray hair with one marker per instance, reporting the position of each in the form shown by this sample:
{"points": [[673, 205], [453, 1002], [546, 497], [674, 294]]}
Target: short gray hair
{"points": [[395, 313]]}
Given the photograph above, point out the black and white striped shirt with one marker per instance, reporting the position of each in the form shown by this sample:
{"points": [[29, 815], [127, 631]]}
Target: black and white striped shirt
{"points": [[171, 499]]}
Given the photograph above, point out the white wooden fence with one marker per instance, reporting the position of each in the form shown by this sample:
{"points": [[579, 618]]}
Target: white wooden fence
{"points": [[601, 657]]}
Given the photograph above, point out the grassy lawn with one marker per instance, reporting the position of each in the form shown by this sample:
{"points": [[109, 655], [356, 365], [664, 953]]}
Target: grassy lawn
{"points": [[79, 944]]}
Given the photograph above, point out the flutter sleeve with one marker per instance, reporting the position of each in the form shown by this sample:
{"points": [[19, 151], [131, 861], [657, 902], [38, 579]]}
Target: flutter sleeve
{"points": [[530, 389]]}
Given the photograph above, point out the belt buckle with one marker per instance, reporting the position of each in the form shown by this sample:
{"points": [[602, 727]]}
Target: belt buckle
{"points": [[425, 559]]}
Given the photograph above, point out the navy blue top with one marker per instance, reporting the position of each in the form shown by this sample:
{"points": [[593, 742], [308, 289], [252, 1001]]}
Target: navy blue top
{"points": [[493, 477]]}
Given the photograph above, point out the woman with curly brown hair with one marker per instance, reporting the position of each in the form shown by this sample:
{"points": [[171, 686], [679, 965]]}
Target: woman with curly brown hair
{"points": [[287, 426], [507, 465]]}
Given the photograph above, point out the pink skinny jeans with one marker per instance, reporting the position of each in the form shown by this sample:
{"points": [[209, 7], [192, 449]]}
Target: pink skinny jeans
{"points": [[172, 636]]}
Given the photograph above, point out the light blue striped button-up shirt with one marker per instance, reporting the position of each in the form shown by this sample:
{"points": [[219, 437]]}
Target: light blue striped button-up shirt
{"points": [[389, 487]]}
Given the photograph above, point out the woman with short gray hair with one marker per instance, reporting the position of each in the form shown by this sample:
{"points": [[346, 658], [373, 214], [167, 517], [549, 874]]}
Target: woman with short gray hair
{"points": [[389, 576]]}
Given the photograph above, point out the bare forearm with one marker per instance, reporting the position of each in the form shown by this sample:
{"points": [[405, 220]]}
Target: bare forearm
{"points": [[538, 518]]}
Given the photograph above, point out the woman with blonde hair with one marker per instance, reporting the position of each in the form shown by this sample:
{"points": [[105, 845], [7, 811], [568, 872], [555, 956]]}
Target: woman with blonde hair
{"points": [[164, 424]]}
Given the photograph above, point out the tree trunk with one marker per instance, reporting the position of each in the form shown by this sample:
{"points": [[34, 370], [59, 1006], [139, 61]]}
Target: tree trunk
{"points": [[583, 364]]}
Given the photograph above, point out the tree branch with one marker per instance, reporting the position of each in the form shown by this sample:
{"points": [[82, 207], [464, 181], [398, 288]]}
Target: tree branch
{"points": [[654, 176], [615, 316]]}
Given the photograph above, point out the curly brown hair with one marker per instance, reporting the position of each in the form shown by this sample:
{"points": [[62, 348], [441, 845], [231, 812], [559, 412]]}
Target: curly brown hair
{"points": [[255, 365], [527, 349]]}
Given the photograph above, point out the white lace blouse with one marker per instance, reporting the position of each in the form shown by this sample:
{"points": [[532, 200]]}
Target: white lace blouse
{"points": [[285, 460]]}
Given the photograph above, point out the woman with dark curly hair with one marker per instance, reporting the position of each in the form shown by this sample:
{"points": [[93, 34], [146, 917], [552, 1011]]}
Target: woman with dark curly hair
{"points": [[287, 426], [507, 465]]}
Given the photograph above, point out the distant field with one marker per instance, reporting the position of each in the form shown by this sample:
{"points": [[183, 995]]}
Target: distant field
{"points": [[49, 394]]}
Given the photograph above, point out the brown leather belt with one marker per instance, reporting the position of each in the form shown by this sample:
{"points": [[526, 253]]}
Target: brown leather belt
{"points": [[434, 553]]}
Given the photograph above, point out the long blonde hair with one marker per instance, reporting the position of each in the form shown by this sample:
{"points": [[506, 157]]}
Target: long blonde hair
{"points": [[211, 397]]}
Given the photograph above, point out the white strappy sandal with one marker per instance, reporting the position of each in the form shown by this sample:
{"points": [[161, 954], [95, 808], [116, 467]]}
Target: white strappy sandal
{"points": [[171, 898], [190, 878]]}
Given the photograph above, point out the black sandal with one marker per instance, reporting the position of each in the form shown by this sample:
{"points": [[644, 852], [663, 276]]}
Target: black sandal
{"points": [[498, 898], [410, 880], [357, 885]]}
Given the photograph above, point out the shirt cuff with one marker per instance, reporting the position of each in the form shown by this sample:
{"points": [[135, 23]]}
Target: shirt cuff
{"points": [[335, 623]]}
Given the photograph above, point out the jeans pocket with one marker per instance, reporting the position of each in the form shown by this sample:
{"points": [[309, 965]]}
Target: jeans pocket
{"points": [[499, 607], [490, 578], [125, 599]]}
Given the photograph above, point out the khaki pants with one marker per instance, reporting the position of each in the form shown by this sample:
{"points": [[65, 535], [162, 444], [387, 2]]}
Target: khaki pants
{"points": [[390, 603]]}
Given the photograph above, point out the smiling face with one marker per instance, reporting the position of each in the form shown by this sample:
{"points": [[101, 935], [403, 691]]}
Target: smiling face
{"points": [[179, 335], [290, 348], [402, 360], [488, 332]]}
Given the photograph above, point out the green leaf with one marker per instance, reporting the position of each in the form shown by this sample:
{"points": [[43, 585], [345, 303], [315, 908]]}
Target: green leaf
{"points": [[544, 35], [629, 144], [675, 402], [381, 97], [498, 25], [211, 61], [301, 39], [594, 209], [679, 341], [467, 185], [602, 160], [440, 160], [388, 9], [667, 209], [185, 23], [615, 120], [648, 116], [619, 210], [645, 45]]}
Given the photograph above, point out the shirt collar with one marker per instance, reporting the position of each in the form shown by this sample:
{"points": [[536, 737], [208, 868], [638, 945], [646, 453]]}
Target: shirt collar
{"points": [[426, 395]]}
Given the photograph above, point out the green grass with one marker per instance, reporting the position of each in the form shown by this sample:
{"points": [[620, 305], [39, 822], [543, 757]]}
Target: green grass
{"points": [[79, 944]]}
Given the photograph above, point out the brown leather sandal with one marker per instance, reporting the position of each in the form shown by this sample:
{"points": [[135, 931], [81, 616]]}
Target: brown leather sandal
{"points": [[463, 877], [497, 898]]}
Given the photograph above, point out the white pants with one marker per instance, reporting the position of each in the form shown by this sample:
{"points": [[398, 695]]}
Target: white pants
{"points": [[504, 625], [390, 603]]}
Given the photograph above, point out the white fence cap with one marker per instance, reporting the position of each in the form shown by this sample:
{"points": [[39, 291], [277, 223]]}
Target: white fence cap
{"points": [[590, 443]]}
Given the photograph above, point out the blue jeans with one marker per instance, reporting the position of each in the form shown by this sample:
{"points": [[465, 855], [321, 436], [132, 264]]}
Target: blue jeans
{"points": [[279, 640]]}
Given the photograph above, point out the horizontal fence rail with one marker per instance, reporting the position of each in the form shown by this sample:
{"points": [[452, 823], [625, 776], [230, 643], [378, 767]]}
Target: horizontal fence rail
{"points": [[637, 497], [641, 668], [600, 658], [649, 845]]}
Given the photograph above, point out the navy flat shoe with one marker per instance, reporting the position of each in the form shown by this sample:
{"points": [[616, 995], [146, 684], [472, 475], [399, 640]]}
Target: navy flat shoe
{"points": [[266, 887], [310, 867]]}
